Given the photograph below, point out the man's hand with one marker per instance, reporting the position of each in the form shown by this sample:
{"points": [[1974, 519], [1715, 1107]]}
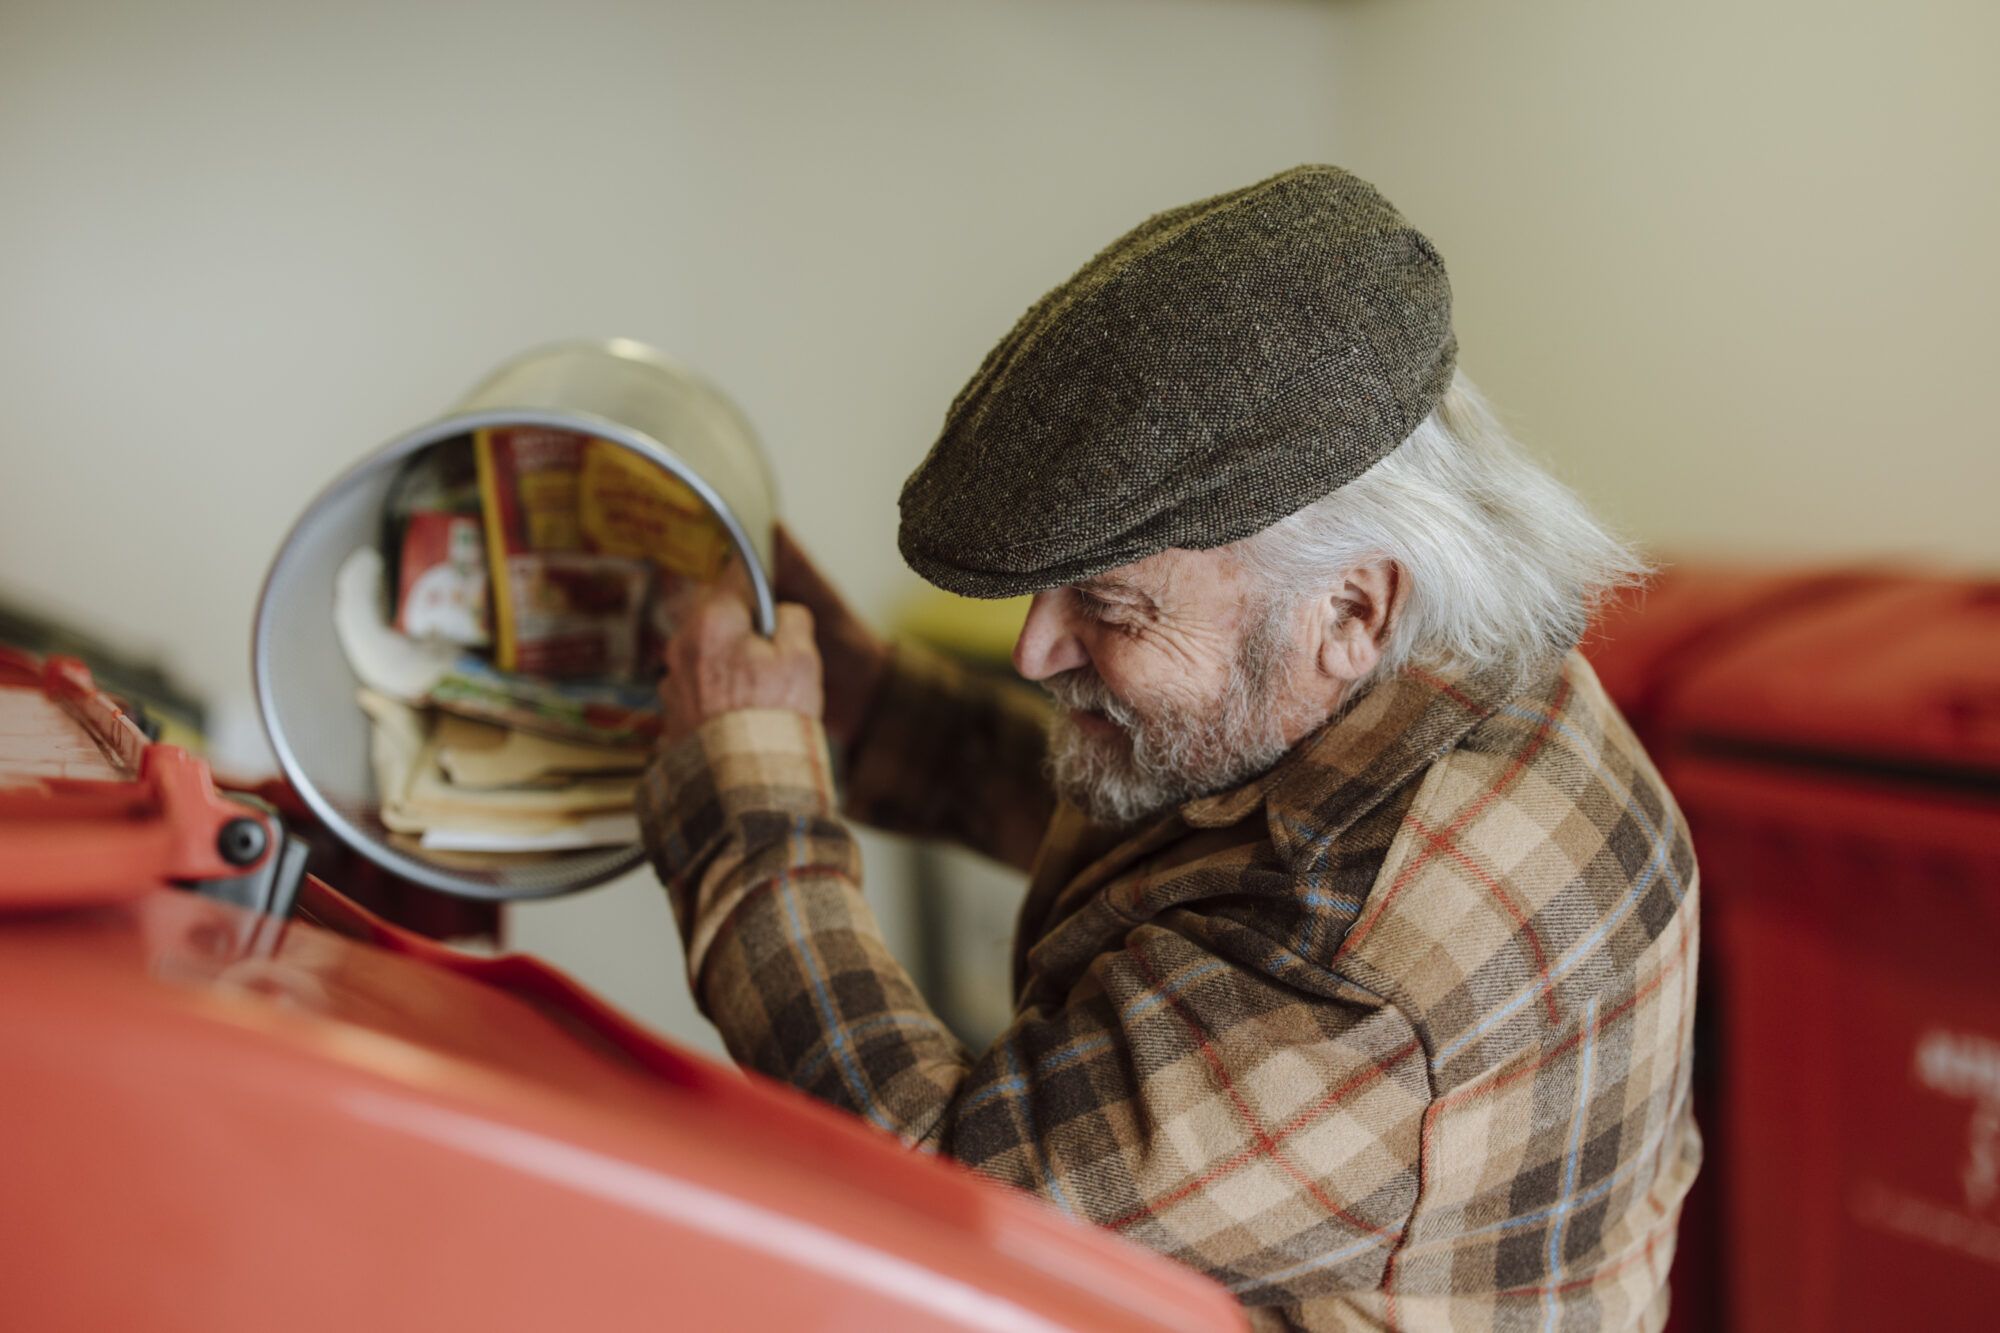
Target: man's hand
{"points": [[856, 658], [718, 663]]}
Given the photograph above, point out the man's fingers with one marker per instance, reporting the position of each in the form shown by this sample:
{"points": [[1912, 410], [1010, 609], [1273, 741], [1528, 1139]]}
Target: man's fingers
{"points": [[795, 628], [720, 664], [734, 579], [720, 619]]}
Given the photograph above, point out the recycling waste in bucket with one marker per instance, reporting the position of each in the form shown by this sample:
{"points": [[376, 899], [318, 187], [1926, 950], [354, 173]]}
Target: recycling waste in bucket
{"points": [[472, 616]]}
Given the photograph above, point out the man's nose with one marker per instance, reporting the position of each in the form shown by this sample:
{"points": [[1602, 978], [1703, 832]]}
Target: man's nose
{"points": [[1047, 646]]}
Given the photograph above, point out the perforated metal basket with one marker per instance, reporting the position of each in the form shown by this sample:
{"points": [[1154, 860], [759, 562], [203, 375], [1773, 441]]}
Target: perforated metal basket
{"points": [[615, 390]]}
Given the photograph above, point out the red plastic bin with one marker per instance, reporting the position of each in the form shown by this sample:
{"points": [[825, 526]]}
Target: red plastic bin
{"points": [[1835, 742], [216, 1120]]}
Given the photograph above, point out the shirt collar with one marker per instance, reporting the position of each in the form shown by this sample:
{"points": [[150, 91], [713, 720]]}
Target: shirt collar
{"points": [[1367, 750]]}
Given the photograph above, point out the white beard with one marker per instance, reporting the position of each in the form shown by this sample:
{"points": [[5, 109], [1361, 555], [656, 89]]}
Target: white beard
{"points": [[1169, 755]]}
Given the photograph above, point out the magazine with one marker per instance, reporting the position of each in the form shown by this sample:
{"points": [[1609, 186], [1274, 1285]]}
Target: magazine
{"points": [[583, 540]]}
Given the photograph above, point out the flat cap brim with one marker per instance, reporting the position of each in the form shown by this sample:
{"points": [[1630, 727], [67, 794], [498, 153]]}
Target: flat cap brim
{"points": [[1216, 369]]}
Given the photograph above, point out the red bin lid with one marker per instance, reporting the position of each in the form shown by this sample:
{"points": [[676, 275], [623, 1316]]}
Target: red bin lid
{"points": [[1904, 673], [90, 811]]}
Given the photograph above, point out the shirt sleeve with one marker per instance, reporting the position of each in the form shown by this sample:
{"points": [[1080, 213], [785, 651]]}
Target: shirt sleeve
{"points": [[1199, 1089], [949, 753]]}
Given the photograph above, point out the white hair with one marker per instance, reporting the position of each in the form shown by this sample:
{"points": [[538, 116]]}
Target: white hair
{"points": [[1503, 565]]}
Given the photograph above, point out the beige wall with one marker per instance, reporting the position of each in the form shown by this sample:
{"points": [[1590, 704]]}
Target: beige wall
{"points": [[1730, 265], [243, 243], [1734, 267]]}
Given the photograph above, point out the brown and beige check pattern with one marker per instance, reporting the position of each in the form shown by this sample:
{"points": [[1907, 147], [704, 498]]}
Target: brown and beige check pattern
{"points": [[1395, 1036]]}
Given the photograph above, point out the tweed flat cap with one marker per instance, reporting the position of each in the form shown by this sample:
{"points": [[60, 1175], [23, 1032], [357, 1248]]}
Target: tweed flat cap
{"points": [[1217, 368]]}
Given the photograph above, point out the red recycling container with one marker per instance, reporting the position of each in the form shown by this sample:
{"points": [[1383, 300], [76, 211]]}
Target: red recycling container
{"points": [[1835, 742], [215, 1117]]}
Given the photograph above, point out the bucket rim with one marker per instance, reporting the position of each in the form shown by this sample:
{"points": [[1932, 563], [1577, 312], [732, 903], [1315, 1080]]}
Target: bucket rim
{"points": [[395, 451]]}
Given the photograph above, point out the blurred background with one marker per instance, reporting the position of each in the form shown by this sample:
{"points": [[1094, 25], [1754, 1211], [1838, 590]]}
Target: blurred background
{"points": [[1728, 268]]}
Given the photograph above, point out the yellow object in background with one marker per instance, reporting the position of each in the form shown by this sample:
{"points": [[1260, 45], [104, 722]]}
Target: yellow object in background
{"points": [[974, 630]]}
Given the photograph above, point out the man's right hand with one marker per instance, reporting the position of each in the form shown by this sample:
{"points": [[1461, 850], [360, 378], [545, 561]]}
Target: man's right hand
{"points": [[855, 657]]}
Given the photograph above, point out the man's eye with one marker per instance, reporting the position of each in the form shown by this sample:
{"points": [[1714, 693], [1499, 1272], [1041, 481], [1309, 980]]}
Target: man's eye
{"points": [[1118, 616], [1094, 608]]}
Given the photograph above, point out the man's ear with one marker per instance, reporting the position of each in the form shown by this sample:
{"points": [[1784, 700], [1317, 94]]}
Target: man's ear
{"points": [[1355, 620]]}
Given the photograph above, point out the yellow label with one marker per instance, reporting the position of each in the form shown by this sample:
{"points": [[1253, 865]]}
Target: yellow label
{"points": [[504, 655], [629, 506]]}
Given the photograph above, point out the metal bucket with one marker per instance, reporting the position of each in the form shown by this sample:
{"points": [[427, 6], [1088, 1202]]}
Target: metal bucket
{"points": [[615, 390]]}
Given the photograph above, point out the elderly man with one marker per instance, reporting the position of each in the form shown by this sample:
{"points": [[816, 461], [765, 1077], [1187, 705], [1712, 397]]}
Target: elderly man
{"points": [[1357, 961]]}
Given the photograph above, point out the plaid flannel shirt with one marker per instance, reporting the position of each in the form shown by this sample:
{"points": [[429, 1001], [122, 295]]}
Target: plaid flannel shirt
{"points": [[1396, 1035]]}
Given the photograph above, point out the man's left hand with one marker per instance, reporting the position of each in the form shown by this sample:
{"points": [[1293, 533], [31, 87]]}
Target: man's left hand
{"points": [[718, 663]]}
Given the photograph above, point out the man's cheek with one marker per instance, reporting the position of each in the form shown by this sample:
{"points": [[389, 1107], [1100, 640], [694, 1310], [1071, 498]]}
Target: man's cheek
{"points": [[1164, 706]]}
